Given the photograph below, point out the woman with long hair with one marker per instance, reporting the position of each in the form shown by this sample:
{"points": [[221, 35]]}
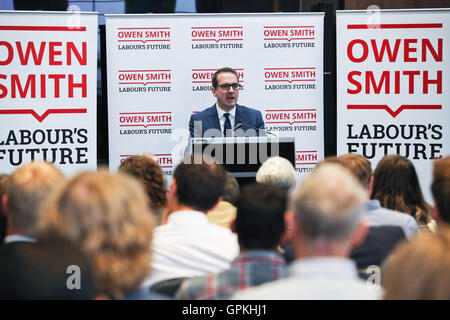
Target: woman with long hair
{"points": [[397, 187]]}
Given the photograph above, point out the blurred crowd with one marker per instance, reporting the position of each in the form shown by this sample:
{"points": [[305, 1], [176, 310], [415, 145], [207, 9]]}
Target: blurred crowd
{"points": [[345, 232]]}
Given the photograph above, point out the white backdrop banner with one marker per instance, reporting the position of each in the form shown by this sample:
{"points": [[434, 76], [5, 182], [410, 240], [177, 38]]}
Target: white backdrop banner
{"points": [[393, 90], [160, 69], [48, 95]]}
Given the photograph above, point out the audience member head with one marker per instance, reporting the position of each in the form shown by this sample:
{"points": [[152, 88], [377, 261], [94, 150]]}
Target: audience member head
{"points": [[150, 174], [197, 184], [397, 187], [440, 188], [328, 160], [3, 221], [279, 172], [51, 268], [27, 187], [230, 189], [358, 165], [259, 220], [327, 208], [419, 269], [108, 217]]}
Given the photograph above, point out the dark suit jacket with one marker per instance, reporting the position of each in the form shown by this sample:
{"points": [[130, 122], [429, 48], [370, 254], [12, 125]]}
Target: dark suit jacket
{"points": [[32, 270], [209, 119], [13, 249], [378, 244]]}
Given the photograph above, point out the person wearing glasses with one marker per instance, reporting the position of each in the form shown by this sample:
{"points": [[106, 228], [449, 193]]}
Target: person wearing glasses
{"points": [[226, 118]]}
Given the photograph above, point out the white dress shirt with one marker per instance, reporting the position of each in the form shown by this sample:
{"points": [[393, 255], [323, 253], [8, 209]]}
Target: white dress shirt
{"points": [[321, 278], [188, 246], [222, 118]]}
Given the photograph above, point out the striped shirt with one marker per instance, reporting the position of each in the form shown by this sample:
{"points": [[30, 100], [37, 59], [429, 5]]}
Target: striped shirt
{"points": [[249, 269]]}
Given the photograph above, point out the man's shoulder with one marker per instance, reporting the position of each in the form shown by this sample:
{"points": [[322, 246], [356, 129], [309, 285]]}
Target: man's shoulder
{"points": [[247, 109], [393, 216], [14, 247], [301, 289], [387, 217], [204, 112]]}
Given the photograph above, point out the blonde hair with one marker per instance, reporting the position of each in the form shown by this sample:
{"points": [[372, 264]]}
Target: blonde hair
{"points": [[108, 217], [26, 189], [420, 268]]}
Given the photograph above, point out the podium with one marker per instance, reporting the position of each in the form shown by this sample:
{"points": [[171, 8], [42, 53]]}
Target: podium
{"points": [[242, 156]]}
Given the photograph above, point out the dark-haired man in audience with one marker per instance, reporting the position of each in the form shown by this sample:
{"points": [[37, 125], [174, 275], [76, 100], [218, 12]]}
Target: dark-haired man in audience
{"points": [[188, 245], [327, 210], [386, 227], [259, 226], [27, 187], [440, 189]]}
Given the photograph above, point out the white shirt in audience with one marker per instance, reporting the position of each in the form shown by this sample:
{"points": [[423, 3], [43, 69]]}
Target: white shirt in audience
{"points": [[188, 246]]}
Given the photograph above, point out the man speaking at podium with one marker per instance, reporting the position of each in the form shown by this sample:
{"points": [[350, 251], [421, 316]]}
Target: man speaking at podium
{"points": [[226, 118]]}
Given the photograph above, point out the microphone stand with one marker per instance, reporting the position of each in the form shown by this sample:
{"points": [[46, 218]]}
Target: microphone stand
{"points": [[251, 127]]}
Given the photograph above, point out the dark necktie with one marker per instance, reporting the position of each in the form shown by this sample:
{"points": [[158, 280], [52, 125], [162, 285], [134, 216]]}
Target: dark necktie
{"points": [[227, 126]]}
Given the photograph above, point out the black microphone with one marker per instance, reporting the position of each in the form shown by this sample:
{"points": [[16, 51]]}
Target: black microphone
{"points": [[238, 126], [252, 127]]}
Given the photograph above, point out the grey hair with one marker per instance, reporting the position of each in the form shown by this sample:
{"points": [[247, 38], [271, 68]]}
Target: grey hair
{"points": [[277, 171], [26, 189], [329, 204]]}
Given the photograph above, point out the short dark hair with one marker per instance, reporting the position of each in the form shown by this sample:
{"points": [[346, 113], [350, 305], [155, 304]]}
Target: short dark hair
{"points": [[230, 189], [200, 183], [259, 220], [225, 69], [440, 188]]}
